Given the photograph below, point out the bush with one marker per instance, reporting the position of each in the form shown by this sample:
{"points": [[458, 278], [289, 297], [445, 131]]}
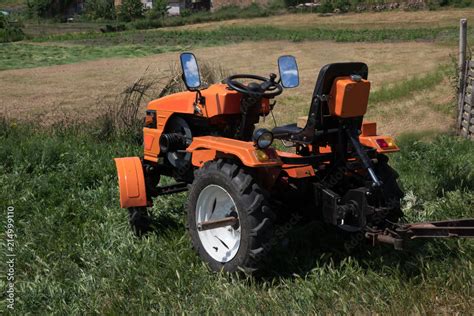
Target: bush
{"points": [[159, 10], [145, 24], [326, 7], [100, 9], [10, 31], [130, 10], [185, 13], [48, 8]]}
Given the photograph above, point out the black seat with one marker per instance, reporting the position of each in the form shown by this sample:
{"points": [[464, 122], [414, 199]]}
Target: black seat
{"points": [[286, 130], [318, 118]]}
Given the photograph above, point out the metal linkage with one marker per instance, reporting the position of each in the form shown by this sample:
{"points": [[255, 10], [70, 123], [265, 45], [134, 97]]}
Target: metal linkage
{"points": [[440, 229], [170, 189], [462, 228]]}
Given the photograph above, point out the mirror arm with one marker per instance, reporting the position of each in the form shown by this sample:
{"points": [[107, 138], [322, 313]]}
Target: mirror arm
{"points": [[199, 98]]}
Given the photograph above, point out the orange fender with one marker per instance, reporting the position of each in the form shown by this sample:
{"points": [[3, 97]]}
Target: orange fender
{"points": [[131, 182], [206, 148]]}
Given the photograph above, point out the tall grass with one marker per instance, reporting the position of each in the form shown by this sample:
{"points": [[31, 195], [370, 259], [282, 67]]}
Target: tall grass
{"points": [[75, 253]]}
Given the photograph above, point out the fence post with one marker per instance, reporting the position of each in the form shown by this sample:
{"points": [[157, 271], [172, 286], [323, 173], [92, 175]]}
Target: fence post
{"points": [[461, 65]]}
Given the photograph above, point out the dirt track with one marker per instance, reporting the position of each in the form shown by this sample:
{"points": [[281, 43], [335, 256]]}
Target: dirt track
{"points": [[76, 88]]}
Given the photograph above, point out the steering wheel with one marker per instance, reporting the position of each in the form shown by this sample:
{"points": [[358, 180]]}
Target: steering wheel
{"points": [[265, 88]]}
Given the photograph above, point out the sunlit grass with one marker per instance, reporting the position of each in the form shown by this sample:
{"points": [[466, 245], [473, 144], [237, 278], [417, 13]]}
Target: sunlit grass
{"points": [[75, 253]]}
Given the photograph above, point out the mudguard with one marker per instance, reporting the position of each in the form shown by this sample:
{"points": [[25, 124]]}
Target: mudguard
{"points": [[131, 182], [206, 148]]}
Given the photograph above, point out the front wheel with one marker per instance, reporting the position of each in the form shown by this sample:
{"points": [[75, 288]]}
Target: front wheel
{"points": [[229, 220]]}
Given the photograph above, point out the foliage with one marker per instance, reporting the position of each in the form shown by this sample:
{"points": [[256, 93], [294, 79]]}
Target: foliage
{"points": [[159, 10], [130, 10], [10, 31], [48, 8], [100, 9]]}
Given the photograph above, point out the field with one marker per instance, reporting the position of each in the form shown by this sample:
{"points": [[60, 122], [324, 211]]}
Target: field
{"points": [[74, 251]]}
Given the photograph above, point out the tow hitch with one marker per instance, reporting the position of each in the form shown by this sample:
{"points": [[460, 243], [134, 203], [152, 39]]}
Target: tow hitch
{"points": [[463, 228]]}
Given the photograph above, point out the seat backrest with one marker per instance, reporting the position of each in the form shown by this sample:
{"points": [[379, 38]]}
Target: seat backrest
{"points": [[318, 118]]}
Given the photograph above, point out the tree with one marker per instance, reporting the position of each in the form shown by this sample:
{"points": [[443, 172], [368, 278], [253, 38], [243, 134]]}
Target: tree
{"points": [[130, 10], [48, 8], [159, 10], [100, 9]]}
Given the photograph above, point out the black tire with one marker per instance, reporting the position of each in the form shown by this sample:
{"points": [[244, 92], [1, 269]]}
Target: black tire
{"points": [[391, 190], [139, 220], [255, 216]]}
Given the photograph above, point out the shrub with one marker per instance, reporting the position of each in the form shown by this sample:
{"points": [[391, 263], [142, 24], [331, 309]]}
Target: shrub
{"points": [[100, 9], [10, 31], [159, 10], [48, 8], [326, 7], [185, 13], [130, 10]]}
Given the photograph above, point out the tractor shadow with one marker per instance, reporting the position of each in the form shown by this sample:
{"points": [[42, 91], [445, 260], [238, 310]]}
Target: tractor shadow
{"points": [[316, 245]]}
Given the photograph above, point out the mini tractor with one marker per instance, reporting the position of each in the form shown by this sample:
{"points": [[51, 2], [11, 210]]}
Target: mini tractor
{"points": [[240, 186]]}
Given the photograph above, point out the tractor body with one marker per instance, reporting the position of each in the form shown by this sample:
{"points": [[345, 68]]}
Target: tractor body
{"points": [[240, 184]]}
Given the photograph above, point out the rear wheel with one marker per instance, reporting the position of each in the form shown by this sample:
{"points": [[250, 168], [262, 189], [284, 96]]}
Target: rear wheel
{"points": [[224, 191], [392, 193]]}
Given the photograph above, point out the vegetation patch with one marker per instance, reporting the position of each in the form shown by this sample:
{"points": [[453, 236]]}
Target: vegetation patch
{"points": [[75, 47], [235, 34], [10, 31], [405, 88], [76, 253], [22, 55]]}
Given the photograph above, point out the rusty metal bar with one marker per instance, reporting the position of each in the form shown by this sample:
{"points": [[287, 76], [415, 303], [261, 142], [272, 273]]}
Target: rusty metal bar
{"points": [[453, 228], [217, 223], [381, 237]]}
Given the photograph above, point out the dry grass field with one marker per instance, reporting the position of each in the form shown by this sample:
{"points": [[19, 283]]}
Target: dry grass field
{"points": [[78, 89]]}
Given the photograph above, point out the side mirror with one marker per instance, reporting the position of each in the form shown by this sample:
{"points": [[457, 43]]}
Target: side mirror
{"points": [[190, 68], [288, 71]]}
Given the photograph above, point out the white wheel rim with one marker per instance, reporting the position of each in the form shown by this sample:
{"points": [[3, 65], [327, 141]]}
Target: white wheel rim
{"points": [[221, 243]]}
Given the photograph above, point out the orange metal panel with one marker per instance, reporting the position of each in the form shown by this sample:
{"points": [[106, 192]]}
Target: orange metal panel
{"points": [[182, 102], [148, 141], [245, 151], [131, 182], [371, 141], [298, 171], [219, 100], [369, 128], [151, 136], [202, 155], [349, 98]]}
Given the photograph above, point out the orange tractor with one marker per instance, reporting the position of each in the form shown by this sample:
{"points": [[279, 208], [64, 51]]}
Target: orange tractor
{"points": [[240, 185]]}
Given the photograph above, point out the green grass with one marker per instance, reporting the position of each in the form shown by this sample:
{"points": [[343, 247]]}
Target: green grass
{"points": [[252, 33], [21, 55], [75, 254], [405, 88], [90, 46]]}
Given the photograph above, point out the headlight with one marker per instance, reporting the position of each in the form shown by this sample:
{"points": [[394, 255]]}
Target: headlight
{"points": [[262, 138]]}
